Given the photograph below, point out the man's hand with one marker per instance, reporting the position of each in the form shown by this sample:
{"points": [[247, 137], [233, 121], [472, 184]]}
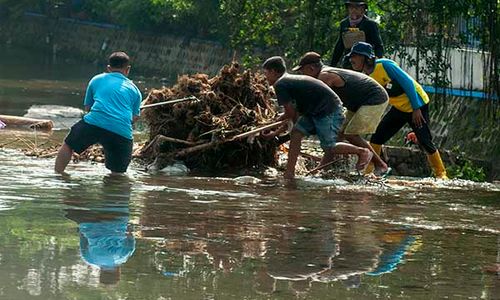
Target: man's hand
{"points": [[417, 118], [268, 134]]}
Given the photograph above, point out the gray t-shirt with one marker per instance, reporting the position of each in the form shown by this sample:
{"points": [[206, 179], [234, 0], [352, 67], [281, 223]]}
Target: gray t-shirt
{"points": [[359, 89], [312, 96]]}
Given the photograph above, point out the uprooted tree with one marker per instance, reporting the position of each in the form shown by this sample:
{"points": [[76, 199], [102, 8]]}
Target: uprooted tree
{"points": [[214, 125]]}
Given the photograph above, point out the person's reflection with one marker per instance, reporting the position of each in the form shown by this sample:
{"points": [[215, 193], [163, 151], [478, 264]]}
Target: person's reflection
{"points": [[344, 248], [102, 216]]}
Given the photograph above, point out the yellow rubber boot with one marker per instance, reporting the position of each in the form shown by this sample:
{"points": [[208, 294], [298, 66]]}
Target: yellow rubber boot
{"points": [[437, 165], [377, 149]]}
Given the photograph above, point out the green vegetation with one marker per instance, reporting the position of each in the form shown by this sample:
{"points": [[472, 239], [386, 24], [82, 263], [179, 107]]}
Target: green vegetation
{"points": [[258, 28], [465, 169]]}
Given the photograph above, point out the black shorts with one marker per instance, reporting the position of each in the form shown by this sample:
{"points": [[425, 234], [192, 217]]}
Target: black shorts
{"points": [[117, 149]]}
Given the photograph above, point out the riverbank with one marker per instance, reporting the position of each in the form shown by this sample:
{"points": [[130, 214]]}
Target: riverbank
{"points": [[163, 55]]}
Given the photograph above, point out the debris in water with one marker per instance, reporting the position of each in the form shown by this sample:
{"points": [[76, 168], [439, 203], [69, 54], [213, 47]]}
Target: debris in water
{"points": [[217, 129]]}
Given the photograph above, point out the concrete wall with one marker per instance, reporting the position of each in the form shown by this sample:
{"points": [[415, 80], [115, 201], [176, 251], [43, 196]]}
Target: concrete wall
{"points": [[466, 72], [411, 161], [164, 55], [463, 125]]}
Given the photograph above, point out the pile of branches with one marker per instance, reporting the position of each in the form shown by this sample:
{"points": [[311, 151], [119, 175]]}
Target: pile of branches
{"points": [[216, 126]]}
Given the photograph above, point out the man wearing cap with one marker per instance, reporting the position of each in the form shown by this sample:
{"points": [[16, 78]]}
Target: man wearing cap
{"points": [[357, 27], [409, 103], [363, 97], [112, 101], [320, 112]]}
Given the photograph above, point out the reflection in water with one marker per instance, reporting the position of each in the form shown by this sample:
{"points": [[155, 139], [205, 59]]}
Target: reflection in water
{"points": [[103, 217], [285, 242]]}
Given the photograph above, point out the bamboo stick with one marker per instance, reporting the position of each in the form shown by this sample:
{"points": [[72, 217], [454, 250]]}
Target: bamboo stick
{"points": [[190, 150], [258, 129], [208, 145], [10, 142], [169, 102], [310, 156], [323, 166], [163, 138], [48, 154]]}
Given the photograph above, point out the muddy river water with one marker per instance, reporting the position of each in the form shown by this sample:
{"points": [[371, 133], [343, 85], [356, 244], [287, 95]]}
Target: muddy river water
{"points": [[160, 236]]}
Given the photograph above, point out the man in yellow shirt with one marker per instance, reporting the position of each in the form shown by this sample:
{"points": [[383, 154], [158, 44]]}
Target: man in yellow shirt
{"points": [[409, 103]]}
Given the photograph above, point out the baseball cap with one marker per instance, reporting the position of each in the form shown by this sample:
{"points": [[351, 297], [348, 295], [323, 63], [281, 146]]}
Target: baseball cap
{"points": [[306, 59]]}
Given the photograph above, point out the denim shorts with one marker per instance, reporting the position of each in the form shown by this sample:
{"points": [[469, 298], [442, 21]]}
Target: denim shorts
{"points": [[325, 127], [117, 149]]}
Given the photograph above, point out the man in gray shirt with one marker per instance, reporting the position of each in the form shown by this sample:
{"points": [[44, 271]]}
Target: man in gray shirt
{"points": [[318, 111], [364, 98]]}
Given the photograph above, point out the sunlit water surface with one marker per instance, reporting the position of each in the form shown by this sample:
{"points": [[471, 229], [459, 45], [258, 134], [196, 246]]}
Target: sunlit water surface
{"points": [[152, 236]]}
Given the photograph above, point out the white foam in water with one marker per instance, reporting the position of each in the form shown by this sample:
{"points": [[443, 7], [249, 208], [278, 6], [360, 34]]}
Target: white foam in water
{"points": [[62, 116], [247, 180], [53, 111], [177, 169]]}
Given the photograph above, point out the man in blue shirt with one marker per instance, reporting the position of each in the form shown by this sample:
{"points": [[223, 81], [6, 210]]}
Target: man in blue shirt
{"points": [[113, 104]]}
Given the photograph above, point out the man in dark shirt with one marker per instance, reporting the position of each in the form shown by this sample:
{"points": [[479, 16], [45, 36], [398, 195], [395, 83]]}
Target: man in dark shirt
{"points": [[320, 113], [357, 27], [364, 98]]}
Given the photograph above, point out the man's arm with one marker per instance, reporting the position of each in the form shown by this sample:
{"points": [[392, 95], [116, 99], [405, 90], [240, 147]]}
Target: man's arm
{"points": [[407, 83], [338, 51], [88, 101], [136, 108]]}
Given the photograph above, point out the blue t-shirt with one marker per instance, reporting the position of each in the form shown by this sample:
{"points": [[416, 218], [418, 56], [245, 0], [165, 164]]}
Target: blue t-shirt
{"points": [[114, 100]]}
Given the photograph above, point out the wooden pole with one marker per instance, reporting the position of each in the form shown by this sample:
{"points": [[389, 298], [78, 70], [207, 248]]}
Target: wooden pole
{"points": [[190, 150], [208, 145], [29, 122], [258, 129], [170, 102], [323, 166]]}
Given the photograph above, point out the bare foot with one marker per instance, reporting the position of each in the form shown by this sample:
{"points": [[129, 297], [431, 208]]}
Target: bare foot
{"points": [[381, 169], [364, 159], [383, 173]]}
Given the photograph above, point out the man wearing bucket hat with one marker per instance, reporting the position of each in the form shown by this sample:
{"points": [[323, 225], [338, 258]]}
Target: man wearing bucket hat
{"points": [[357, 27], [409, 103], [364, 98]]}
